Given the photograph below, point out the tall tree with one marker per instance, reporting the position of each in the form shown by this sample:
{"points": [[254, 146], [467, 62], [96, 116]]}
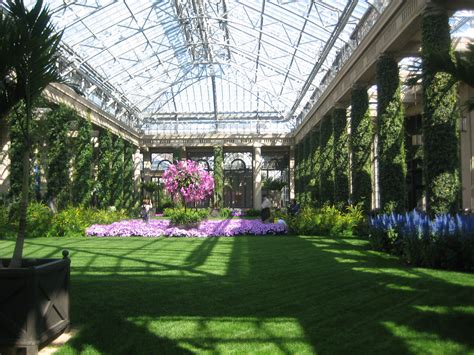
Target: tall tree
{"points": [[32, 48]]}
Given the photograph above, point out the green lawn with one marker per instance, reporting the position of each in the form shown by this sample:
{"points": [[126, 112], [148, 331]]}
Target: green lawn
{"points": [[257, 294]]}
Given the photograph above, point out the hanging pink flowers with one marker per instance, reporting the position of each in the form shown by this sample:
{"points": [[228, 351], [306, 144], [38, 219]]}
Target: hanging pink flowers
{"points": [[188, 180]]}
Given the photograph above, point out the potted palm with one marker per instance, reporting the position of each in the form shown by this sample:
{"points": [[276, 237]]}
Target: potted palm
{"points": [[34, 304]]}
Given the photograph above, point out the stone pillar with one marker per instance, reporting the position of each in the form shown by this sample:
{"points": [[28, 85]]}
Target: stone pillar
{"points": [[4, 158], [137, 170], [146, 164], [257, 177], [440, 117], [291, 172]]}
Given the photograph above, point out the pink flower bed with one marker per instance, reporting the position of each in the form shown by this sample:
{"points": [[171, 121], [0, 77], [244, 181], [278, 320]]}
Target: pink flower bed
{"points": [[211, 228]]}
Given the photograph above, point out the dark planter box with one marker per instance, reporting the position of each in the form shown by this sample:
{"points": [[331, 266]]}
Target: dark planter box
{"points": [[34, 303]]}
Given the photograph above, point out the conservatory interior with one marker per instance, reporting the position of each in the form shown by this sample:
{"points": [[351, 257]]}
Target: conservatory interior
{"points": [[337, 105]]}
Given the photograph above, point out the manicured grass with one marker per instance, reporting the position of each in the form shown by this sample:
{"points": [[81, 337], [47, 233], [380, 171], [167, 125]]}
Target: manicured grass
{"points": [[257, 295]]}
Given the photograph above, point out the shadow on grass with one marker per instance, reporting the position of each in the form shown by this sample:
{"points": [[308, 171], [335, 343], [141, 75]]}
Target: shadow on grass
{"points": [[281, 294]]}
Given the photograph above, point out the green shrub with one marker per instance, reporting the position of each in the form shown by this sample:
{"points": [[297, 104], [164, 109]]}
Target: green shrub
{"points": [[38, 219], [182, 217], [327, 220], [225, 212], [74, 221], [252, 213]]}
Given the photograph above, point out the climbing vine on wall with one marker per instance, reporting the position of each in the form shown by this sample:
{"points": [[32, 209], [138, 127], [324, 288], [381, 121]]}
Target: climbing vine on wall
{"points": [[59, 121], [128, 178], [390, 125], [306, 166], [341, 157], [218, 177], [104, 165], [440, 119], [360, 145], [116, 193], [327, 161], [82, 180], [315, 181]]}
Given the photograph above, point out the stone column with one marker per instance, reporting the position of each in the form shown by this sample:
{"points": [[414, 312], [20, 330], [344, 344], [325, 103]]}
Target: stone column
{"points": [[291, 172], [257, 176], [146, 164], [137, 170]]}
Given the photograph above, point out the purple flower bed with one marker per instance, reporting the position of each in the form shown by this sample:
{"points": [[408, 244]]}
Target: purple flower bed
{"points": [[212, 228]]}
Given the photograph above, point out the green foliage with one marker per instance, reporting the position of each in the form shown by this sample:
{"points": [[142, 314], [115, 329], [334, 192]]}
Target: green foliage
{"points": [[178, 153], [306, 170], [59, 154], [360, 143], [82, 181], [128, 178], [188, 217], [252, 212], [104, 167], [117, 171], [17, 147], [327, 220], [390, 124], [341, 157], [38, 218], [327, 161], [315, 181], [73, 221], [273, 184], [218, 177], [440, 119], [225, 212]]}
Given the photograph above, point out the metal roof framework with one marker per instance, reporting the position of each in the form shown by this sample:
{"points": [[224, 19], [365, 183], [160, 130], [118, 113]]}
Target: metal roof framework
{"points": [[208, 64]]}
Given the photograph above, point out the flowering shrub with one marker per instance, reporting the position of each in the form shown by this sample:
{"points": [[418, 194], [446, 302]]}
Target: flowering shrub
{"points": [[209, 228], [189, 181], [447, 241]]}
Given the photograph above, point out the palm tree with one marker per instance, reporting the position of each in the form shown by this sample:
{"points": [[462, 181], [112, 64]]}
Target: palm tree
{"points": [[29, 53]]}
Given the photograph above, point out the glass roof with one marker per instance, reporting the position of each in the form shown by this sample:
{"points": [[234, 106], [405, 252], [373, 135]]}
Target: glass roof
{"points": [[149, 62]]}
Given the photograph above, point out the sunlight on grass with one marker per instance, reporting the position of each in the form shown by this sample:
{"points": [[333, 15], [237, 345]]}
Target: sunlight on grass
{"points": [[423, 342], [446, 310], [230, 334], [345, 260], [256, 295], [399, 287], [388, 271]]}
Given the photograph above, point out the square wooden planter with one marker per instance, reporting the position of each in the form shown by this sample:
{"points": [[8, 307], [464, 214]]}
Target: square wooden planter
{"points": [[34, 303]]}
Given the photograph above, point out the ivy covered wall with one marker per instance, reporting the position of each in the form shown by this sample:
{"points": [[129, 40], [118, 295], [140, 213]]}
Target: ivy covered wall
{"points": [[82, 179], [104, 169], [306, 166], [129, 200], [60, 154], [341, 157], [218, 177], [391, 135], [360, 143], [315, 182], [327, 161], [440, 119]]}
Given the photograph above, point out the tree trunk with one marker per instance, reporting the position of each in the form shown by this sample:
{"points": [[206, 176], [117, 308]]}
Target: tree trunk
{"points": [[18, 252]]}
